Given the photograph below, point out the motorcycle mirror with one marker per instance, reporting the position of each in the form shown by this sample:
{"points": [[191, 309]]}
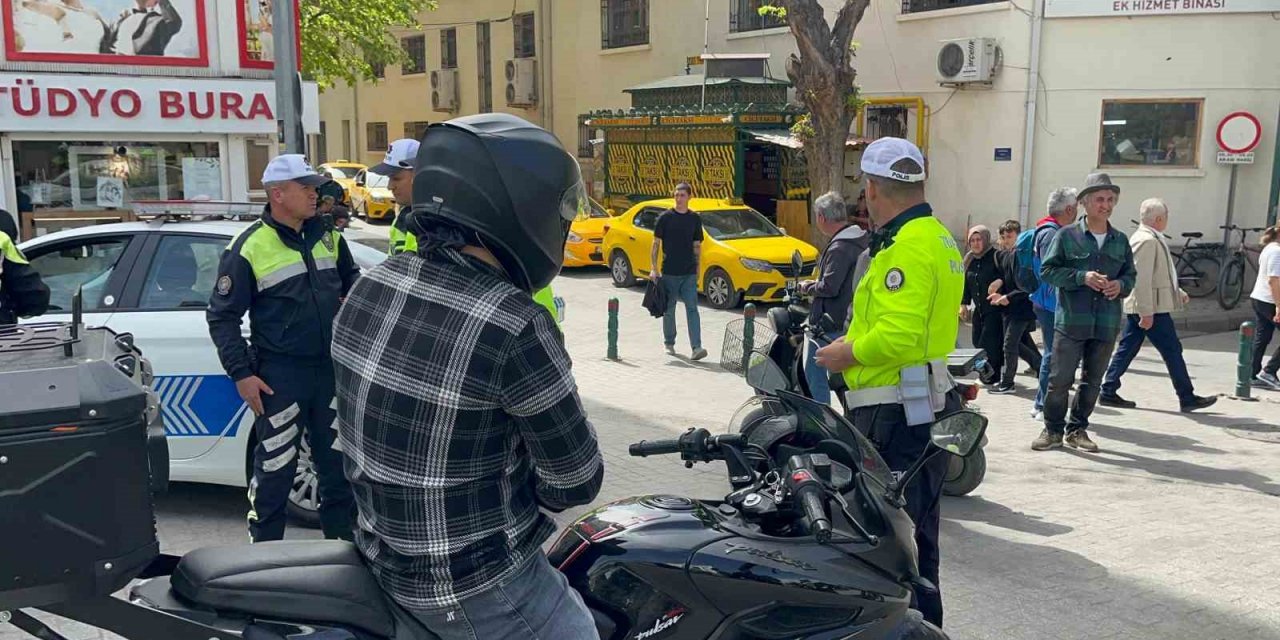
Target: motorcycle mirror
{"points": [[764, 375], [958, 433]]}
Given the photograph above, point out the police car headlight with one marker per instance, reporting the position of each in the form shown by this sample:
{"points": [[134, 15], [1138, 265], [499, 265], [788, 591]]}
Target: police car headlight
{"points": [[756, 265], [573, 237]]}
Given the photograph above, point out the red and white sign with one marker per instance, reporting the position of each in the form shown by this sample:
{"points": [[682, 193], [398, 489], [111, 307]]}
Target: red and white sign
{"points": [[1130, 8], [83, 103], [1239, 132]]}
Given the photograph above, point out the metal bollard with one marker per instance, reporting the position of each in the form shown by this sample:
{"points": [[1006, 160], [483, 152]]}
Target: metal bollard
{"points": [[1244, 362], [748, 335], [613, 329]]}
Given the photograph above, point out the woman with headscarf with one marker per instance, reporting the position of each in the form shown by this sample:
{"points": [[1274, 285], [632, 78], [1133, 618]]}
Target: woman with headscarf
{"points": [[980, 271]]}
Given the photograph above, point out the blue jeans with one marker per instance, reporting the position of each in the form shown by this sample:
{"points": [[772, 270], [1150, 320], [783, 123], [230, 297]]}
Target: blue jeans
{"points": [[681, 289], [1164, 335], [817, 376], [1044, 318], [535, 603]]}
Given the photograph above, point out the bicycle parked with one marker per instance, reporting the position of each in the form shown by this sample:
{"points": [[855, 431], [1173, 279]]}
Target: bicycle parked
{"points": [[1197, 265], [1231, 281]]}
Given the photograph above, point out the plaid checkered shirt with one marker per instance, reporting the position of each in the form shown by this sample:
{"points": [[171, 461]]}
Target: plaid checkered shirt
{"points": [[459, 416]]}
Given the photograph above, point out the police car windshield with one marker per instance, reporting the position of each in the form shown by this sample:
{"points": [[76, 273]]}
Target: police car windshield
{"points": [[737, 224], [375, 180]]}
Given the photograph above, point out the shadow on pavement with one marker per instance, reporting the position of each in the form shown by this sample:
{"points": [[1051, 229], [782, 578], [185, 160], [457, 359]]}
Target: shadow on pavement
{"points": [[1151, 440], [977, 509], [1182, 470]]}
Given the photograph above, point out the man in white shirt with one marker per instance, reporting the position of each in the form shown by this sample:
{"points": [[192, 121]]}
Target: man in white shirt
{"points": [[144, 30], [1266, 293]]}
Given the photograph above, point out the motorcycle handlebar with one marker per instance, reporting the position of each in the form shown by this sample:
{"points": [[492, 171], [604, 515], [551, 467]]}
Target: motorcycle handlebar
{"points": [[654, 448], [808, 492]]}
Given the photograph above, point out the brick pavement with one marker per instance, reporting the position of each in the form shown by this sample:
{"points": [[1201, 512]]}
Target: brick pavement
{"points": [[1169, 533]]}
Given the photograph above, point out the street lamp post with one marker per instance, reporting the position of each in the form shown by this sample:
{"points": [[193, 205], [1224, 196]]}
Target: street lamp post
{"points": [[288, 82]]}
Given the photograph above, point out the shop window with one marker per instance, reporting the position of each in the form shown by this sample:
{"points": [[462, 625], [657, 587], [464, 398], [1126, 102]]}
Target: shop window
{"points": [[449, 49], [744, 15], [415, 47], [107, 174], [182, 273], [1150, 132], [916, 6], [375, 134], [257, 155], [522, 26], [416, 130], [623, 23]]}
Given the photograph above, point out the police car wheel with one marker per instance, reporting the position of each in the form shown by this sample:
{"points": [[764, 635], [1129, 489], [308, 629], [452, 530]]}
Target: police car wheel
{"points": [[720, 291], [620, 269], [965, 474], [304, 496]]}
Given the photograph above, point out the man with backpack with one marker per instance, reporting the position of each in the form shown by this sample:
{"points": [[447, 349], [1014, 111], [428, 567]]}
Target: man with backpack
{"points": [[1031, 248]]}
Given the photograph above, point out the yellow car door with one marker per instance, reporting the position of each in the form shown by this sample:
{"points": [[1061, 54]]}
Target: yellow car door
{"points": [[640, 239]]}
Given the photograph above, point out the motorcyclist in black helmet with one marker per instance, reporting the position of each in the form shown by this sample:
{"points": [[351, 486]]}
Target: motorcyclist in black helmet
{"points": [[458, 413]]}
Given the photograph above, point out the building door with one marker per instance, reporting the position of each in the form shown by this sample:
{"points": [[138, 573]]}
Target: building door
{"points": [[257, 154], [484, 65]]}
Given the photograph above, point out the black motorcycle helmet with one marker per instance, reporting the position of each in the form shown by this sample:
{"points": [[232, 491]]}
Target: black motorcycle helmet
{"points": [[507, 181]]}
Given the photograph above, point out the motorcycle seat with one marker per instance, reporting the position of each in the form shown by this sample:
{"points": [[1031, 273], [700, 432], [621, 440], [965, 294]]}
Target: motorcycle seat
{"points": [[313, 581]]}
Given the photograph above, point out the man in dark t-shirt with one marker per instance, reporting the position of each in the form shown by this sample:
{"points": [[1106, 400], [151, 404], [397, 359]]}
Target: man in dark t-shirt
{"points": [[678, 238]]}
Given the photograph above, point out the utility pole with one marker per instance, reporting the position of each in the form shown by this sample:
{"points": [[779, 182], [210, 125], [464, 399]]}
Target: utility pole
{"points": [[288, 83]]}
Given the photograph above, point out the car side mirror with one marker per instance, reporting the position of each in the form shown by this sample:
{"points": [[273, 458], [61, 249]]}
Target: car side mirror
{"points": [[613, 213], [797, 261], [783, 230]]}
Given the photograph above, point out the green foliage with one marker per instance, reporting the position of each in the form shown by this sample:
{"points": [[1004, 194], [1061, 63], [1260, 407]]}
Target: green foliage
{"points": [[854, 101], [770, 10], [803, 128], [343, 39]]}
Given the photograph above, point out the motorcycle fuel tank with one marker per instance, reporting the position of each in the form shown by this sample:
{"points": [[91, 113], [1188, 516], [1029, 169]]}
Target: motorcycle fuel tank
{"points": [[657, 567]]}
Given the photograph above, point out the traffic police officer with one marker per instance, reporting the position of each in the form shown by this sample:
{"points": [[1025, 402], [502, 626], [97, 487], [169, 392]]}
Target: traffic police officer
{"points": [[398, 165], [904, 325], [22, 293], [289, 271]]}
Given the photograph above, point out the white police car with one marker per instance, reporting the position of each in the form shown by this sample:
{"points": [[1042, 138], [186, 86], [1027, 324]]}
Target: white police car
{"points": [[153, 279]]}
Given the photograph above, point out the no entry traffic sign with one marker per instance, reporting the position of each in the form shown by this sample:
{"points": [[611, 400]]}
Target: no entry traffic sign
{"points": [[1239, 132]]}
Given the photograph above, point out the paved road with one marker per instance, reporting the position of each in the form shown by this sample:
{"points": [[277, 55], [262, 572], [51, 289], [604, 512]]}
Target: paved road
{"points": [[1169, 533]]}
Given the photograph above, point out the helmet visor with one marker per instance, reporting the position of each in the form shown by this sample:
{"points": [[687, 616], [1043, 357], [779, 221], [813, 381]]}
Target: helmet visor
{"points": [[574, 202]]}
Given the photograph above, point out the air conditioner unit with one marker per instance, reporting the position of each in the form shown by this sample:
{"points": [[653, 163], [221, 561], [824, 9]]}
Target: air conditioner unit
{"points": [[522, 82], [967, 60], [444, 89]]}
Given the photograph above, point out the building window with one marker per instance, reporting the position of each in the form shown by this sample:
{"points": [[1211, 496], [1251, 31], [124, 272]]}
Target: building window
{"points": [[379, 69], [376, 134], [1150, 132], [321, 151], [623, 23], [523, 31], [916, 6], [416, 129], [744, 15], [449, 49], [346, 139], [415, 47], [585, 135]]}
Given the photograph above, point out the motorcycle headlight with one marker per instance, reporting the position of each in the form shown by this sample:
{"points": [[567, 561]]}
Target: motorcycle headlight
{"points": [[574, 238], [756, 265]]}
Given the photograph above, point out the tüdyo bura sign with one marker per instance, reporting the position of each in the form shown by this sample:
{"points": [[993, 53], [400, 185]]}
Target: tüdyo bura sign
{"points": [[1128, 8]]}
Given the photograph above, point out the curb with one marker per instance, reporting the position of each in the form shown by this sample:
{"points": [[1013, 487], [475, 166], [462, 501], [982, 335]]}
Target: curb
{"points": [[1221, 322]]}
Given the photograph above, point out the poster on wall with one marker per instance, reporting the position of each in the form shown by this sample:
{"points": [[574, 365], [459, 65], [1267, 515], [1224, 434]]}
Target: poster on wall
{"points": [[110, 192], [202, 178], [140, 32], [257, 46]]}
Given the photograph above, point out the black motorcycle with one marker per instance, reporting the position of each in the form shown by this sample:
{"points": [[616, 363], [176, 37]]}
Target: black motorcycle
{"points": [[791, 328], [811, 542]]}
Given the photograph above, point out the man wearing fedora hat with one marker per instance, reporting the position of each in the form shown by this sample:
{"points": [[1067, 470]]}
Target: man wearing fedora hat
{"points": [[1091, 264]]}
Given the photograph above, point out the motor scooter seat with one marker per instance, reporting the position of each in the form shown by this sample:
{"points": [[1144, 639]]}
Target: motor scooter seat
{"points": [[314, 581]]}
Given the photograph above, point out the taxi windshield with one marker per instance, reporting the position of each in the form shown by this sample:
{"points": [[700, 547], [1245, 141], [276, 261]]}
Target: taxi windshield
{"points": [[375, 180], [737, 224]]}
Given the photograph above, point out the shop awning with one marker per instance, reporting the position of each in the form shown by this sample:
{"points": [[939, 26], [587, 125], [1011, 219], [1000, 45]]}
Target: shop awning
{"points": [[784, 138]]}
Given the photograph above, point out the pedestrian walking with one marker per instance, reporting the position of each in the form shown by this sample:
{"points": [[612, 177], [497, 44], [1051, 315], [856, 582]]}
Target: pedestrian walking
{"points": [[980, 272], [1265, 299], [1091, 264], [1155, 295], [833, 290], [677, 238], [1018, 318], [904, 326], [1062, 211], [467, 420], [289, 271]]}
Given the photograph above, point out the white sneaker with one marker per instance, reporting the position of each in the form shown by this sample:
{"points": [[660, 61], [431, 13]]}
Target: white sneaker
{"points": [[1267, 381], [1037, 414]]}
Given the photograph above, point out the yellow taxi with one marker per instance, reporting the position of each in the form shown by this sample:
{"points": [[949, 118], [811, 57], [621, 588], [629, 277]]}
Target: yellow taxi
{"points": [[744, 256], [582, 248], [344, 173], [370, 197]]}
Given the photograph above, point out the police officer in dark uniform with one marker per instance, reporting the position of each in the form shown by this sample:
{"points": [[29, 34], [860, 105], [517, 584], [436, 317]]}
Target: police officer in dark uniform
{"points": [[290, 271], [22, 293], [903, 327]]}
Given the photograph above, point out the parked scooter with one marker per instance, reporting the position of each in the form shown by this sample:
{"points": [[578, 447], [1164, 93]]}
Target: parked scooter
{"points": [[791, 328], [811, 541]]}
